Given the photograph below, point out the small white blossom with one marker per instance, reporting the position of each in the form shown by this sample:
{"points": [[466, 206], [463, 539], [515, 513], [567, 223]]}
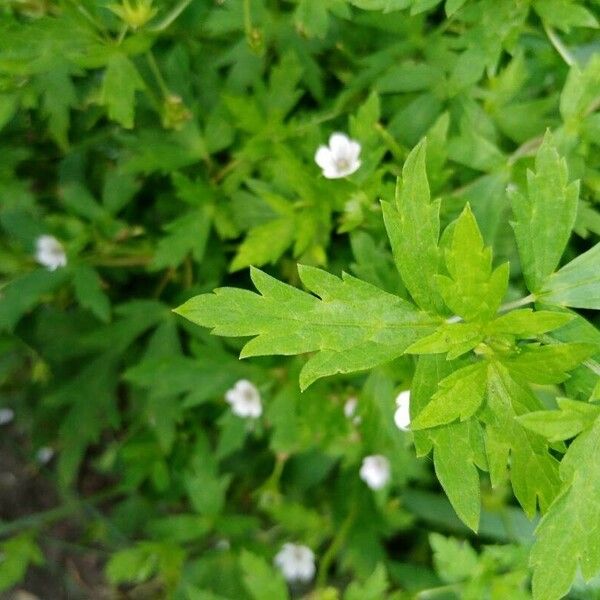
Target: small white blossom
{"points": [[402, 414], [340, 158], [375, 471], [350, 407], [244, 399], [50, 253], [296, 562], [44, 455], [6, 415]]}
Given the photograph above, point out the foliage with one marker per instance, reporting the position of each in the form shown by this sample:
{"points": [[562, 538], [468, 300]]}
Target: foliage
{"points": [[170, 146]]}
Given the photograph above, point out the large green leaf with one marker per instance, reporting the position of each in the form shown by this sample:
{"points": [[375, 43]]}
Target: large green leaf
{"points": [[457, 447], [352, 325], [567, 537], [533, 471]]}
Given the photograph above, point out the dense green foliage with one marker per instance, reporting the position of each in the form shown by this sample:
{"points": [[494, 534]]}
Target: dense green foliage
{"points": [[152, 152]]}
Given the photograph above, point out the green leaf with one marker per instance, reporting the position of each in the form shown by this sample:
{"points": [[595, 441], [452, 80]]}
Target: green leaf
{"points": [[133, 565], [567, 537], [533, 471], [265, 243], [311, 18], [565, 14], [17, 554], [577, 284], [121, 81], [545, 215], [457, 447], [455, 456], [261, 580], [526, 323], [453, 6], [186, 234], [413, 226], [59, 97], [454, 338], [459, 396], [454, 560], [352, 325], [567, 422], [473, 290], [21, 294], [374, 588], [580, 91], [88, 289], [548, 364]]}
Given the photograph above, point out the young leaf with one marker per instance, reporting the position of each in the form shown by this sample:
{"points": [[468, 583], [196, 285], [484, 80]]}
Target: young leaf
{"points": [[459, 396], [533, 471], [558, 425], [121, 81], [526, 323], [88, 289], [262, 581], [577, 284], [472, 291], [413, 226], [548, 364], [454, 338], [545, 215], [455, 456], [352, 325], [567, 537], [457, 447], [373, 588], [186, 234]]}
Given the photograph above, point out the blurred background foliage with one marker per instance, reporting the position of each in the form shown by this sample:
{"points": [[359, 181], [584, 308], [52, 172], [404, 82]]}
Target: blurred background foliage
{"points": [[169, 146]]}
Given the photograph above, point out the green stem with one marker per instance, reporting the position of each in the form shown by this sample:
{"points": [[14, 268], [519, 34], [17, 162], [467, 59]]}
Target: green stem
{"points": [[157, 74], [172, 16], [46, 517], [334, 547], [394, 147]]}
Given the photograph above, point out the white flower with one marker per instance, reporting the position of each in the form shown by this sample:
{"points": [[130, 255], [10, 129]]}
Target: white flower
{"points": [[375, 471], [244, 399], [44, 455], [296, 562], [49, 252], [350, 407], [6, 415], [340, 158], [402, 414]]}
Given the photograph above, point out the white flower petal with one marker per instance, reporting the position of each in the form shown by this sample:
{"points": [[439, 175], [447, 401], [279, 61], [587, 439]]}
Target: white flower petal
{"points": [[6, 415], [324, 158], [49, 252], [244, 399], [354, 151], [296, 562], [375, 471], [340, 145], [340, 159], [350, 407], [402, 414], [44, 455]]}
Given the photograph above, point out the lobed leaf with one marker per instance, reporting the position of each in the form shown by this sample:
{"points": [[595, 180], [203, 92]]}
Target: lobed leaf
{"points": [[351, 325], [545, 215]]}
